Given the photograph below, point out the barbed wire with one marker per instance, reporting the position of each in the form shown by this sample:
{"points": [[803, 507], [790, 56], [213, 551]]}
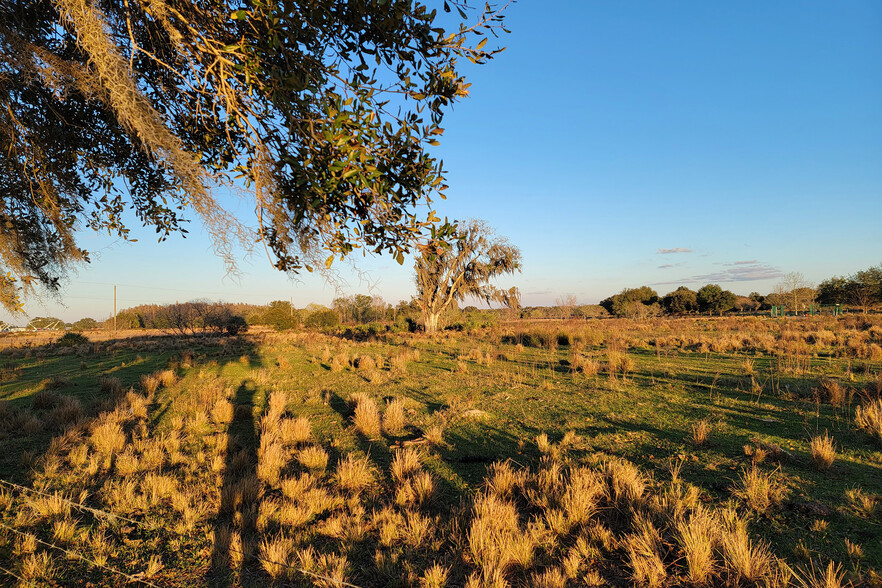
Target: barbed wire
{"points": [[14, 575], [98, 513], [129, 577]]}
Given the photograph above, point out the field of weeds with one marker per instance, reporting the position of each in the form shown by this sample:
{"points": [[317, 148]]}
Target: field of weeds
{"points": [[733, 451]]}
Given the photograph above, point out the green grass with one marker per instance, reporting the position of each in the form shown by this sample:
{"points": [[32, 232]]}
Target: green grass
{"points": [[492, 412]]}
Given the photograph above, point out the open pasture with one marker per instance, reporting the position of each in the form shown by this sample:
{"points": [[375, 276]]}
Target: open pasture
{"points": [[732, 451]]}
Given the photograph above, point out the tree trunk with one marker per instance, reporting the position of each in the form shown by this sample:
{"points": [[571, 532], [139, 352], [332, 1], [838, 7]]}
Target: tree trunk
{"points": [[431, 321]]}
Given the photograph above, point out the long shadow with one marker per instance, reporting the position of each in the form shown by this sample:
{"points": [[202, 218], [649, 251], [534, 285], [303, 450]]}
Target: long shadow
{"points": [[233, 562]]}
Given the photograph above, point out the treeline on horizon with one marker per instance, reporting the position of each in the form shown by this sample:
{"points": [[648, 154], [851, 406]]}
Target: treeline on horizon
{"points": [[793, 294], [364, 314]]}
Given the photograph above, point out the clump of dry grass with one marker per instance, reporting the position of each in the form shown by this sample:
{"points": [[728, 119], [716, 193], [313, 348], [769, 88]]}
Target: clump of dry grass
{"points": [[758, 490], [833, 576], [701, 432], [275, 553], [435, 576], [399, 361], [67, 413], [434, 435], [869, 418], [393, 417], [407, 461], [168, 378], [150, 384], [295, 430], [823, 451], [698, 536], [365, 363], [339, 362], [625, 483], [313, 458], [746, 562], [496, 540], [644, 553], [272, 458], [38, 566], [367, 417], [222, 412], [832, 391], [863, 504], [108, 437], [354, 474]]}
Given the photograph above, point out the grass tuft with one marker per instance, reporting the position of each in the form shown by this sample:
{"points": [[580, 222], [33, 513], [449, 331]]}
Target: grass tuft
{"points": [[823, 451]]}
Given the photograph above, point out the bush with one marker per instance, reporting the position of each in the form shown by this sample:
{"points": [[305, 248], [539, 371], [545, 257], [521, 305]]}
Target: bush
{"points": [[72, 340], [322, 319]]}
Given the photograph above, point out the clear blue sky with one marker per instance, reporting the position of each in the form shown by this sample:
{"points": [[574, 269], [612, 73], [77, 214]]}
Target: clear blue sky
{"points": [[620, 144]]}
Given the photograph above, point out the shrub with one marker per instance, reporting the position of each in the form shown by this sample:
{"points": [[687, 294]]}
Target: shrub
{"points": [[72, 339]]}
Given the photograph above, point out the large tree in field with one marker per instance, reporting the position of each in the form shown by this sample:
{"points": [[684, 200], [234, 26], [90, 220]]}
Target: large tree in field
{"points": [[321, 110], [464, 268], [711, 298]]}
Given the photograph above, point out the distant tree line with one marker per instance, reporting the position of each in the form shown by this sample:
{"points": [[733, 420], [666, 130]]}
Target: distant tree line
{"points": [[862, 289]]}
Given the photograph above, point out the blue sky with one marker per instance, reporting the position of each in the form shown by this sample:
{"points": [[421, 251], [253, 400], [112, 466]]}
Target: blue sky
{"points": [[619, 144]]}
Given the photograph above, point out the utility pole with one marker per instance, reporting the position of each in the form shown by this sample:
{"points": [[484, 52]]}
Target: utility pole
{"points": [[114, 308], [292, 307]]}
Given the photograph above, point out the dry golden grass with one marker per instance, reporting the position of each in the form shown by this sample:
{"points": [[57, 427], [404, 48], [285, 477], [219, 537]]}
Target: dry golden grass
{"points": [[64, 530], [854, 550], [168, 378], [108, 437], [697, 536], [862, 503], [745, 562], [294, 431], [278, 402], [580, 500], [38, 567], [339, 362], [365, 363], [644, 553], [393, 417], [354, 474], [823, 451], [313, 458], [758, 490], [271, 460], [869, 419], [275, 552], [367, 418], [435, 576], [503, 479], [222, 412], [625, 483], [294, 488], [496, 539], [701, 432], [434, 435], [406, 462], [833, 576]]}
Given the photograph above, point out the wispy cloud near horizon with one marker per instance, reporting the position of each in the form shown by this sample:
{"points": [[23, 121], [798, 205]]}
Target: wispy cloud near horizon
{"points": [[674, 250], [739, 271]]}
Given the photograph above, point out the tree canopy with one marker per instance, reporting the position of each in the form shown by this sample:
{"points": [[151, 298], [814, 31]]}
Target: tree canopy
{"points": [[464, 267], [322, 110], [712, 298], [633, 303]]}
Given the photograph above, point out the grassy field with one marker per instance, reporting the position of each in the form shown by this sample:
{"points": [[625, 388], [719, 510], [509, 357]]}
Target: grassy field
{"points": [[732, 451]]}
